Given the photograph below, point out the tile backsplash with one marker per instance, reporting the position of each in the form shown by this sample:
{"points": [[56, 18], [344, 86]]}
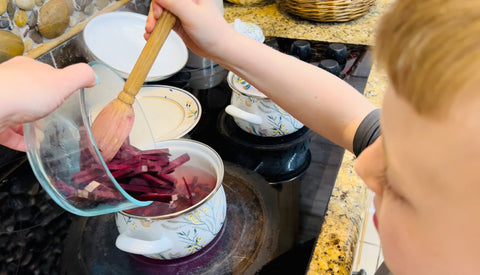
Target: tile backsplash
{"points": [[44, 24]]}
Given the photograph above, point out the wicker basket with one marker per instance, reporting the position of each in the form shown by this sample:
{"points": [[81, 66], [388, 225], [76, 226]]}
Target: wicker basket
{"points": [[244, 2], [327, 10]]}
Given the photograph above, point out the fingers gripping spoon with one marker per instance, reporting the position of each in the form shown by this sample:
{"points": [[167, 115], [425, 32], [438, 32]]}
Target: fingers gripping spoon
{"points": [[113, 124]]}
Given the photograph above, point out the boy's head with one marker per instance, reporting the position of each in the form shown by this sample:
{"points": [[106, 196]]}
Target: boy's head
{"points": [[425, 170], [429, 49]]}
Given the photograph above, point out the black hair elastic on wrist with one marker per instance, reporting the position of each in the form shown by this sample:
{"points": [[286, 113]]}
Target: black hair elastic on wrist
{"points": [[368, 131]]}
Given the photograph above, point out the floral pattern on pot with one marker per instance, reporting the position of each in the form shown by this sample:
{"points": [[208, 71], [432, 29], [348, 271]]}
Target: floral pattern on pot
{"points": [[255, 113], [187, 233], [279, 122]]}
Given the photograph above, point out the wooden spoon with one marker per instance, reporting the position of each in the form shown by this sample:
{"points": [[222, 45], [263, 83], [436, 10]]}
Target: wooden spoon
{"points": [[113, 124]]}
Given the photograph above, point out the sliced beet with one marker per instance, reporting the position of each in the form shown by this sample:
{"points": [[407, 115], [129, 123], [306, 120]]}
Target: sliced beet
{"points": [[145, 175], [155, 180], [190, 199], [176, 162], [167, 177]]}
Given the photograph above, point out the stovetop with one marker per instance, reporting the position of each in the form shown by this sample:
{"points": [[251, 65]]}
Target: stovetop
{"points": [[34, 230], [246, 242], [38, 237], [265, 155]]}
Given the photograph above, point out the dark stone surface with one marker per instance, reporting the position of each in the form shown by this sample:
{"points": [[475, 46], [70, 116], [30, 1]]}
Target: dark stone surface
{"points": [[33, 227]]}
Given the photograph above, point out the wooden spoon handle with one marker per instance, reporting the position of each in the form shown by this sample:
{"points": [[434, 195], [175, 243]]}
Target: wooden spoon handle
{"points": [[147, 57]]}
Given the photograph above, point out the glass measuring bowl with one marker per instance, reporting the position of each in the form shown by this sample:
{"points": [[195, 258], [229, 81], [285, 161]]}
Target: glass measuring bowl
{"points": [[61, 146]]}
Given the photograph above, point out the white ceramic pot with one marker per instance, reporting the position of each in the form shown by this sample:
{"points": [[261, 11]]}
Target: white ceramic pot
{"points": [[255, 113], [181, 233]]}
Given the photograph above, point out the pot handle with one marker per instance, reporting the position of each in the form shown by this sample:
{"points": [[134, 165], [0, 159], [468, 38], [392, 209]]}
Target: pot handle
{"points": [[241, 114], [142, 247]]}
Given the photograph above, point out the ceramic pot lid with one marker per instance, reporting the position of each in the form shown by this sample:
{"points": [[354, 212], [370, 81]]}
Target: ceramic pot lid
{"points": [[238, 84], [177, 110]]}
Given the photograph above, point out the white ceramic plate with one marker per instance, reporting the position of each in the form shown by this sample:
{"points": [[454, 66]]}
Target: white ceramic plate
{"points": [[161, 112], [176, 110], [116, 39]]}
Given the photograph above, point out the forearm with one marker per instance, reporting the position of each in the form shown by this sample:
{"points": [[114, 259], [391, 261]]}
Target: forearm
{"points": [[323, 102]]}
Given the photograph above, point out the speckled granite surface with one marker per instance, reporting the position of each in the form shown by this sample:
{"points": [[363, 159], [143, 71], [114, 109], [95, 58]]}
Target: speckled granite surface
{"points": [[276, 22], [336, 245]]}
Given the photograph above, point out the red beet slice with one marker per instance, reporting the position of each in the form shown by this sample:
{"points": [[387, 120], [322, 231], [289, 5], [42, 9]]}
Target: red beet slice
{"points": [[155, 180], [145, 175], [176, 162]]}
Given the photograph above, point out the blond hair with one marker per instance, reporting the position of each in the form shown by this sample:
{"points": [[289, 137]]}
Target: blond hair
{"points": [[430, 50]]}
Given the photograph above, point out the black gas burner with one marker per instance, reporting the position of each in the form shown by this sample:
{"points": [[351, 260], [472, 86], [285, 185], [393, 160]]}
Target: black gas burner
{"points": [[228, 128], [247, 241], [278, 159], [197, 261], [347, 55]]}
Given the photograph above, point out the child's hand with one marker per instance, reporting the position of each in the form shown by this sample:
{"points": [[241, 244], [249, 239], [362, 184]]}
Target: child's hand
{"points": [[200, 24], [31, 90]]}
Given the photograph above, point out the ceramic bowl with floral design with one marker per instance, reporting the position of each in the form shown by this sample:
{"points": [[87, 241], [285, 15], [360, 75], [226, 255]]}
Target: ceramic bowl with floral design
{"points": [[181, 233]]}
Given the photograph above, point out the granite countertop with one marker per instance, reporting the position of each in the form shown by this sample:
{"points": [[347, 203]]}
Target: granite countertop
{"points": [[276, 22], [341, 230], [350, 200]]}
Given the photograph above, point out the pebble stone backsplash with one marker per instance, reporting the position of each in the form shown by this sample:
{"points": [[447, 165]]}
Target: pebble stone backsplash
{"points": [[40, 21]]}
